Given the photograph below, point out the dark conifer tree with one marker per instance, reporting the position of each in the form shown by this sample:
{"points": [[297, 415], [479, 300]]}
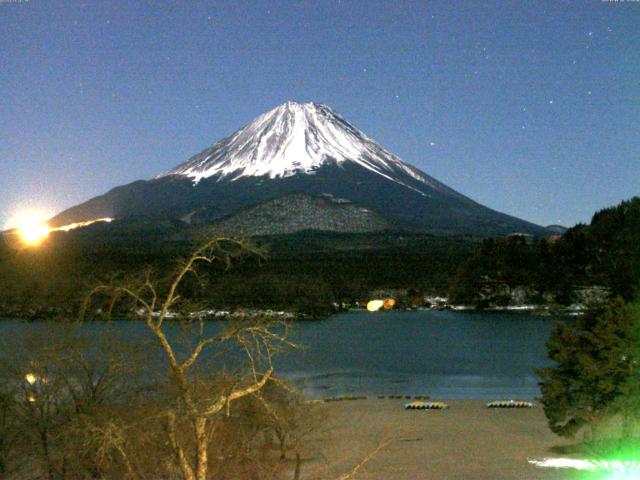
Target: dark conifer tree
{"points": [[596, 374]]}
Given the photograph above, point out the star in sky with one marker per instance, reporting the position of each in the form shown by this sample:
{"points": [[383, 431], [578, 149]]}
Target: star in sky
{"points": [[525, 64]]}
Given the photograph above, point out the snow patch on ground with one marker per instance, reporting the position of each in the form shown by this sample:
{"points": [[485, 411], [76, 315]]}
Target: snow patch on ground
{"points": [[614, 466]]}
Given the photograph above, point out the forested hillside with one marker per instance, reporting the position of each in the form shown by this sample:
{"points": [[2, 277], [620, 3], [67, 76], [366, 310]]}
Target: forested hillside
{"points": [[309, 271], [306, 272], [605, 253]]}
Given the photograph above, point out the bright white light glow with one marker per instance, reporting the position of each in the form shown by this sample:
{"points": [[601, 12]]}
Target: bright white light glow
{"points": [[71, 226], [30, 378]]}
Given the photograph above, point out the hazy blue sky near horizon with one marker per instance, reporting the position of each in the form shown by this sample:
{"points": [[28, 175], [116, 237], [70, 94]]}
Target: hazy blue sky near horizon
{"points": [[530, 108]]}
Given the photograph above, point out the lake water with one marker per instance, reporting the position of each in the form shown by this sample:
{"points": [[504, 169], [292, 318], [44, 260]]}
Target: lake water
{"points": [[440, 353], [443, 354]]}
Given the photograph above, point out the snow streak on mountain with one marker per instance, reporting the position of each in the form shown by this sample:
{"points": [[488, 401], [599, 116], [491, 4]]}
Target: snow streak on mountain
{"points": [[297, 138], [305, 163]]}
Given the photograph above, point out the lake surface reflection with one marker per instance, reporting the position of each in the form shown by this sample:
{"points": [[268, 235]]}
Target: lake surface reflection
{"points": [[444, 354]]}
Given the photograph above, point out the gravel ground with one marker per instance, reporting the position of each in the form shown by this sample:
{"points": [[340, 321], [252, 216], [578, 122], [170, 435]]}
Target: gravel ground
{"points": [[467, 441]]}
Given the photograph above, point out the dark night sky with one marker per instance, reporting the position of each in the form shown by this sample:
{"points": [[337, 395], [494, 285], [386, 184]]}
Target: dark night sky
{"points": [[531, 108]]}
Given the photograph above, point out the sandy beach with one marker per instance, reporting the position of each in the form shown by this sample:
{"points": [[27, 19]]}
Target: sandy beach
{"points": [[467, 441]]}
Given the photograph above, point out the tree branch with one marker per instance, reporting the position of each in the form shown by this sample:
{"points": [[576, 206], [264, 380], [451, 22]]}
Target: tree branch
{"points": [[234, 395]]}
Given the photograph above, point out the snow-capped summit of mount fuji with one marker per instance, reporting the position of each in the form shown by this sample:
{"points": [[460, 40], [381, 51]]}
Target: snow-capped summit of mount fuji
{"points": [[296, 138], [297, 167]]}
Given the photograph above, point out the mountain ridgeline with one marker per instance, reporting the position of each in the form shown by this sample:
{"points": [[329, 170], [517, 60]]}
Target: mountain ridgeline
{"points": [[341, 218], [309, 271], [303, 162]]}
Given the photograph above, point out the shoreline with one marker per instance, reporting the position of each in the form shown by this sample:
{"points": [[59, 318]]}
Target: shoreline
{"points": [[227, 314]]}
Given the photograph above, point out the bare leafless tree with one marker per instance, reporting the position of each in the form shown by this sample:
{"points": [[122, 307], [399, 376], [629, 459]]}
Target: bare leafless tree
{"points": [[196, 408], [202, 408], [10, 434], [55, 382]]}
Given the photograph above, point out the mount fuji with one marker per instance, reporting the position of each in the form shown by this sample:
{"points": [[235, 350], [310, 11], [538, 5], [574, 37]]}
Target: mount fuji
{"points": [[300, 166]]}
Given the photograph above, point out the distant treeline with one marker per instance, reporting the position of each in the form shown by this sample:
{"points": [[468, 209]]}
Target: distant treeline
{"points": [[310, 271], [306, 272]]}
